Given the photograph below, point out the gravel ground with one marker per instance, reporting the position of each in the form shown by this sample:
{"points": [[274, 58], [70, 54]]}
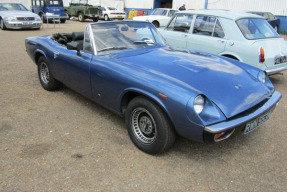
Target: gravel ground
{"points": [[61, 141]]}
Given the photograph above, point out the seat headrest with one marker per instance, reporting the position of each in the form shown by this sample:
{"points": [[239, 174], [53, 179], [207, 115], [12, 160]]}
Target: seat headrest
{"points": [[76, 36]]}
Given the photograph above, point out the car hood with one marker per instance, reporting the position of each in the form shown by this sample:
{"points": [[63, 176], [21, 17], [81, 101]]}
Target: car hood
{"points": [[150, 17], [18, 13], [230, 87]]}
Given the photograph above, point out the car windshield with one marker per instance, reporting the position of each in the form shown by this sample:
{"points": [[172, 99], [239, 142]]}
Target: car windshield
{"points": [[12, 7], [159, 12], [115, 36], [253, 28], [52, 3]]}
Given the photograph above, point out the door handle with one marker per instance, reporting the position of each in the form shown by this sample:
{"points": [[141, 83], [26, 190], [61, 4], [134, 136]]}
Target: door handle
{"points": [[56, 54], [220, 41]]}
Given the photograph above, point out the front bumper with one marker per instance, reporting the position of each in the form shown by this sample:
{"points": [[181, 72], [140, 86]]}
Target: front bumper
{"points": [[23, 24], [238, 123]]}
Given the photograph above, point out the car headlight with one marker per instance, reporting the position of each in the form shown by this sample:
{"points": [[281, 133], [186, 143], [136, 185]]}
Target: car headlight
{"points": [[10, 18], [262, 77], [198, 104]]}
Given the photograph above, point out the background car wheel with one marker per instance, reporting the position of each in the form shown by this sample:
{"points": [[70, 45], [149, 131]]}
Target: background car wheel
{"points": [[276, 29], [81, 17], [148, 126], [2, 24], [156, 24], [67, 15], [63, 20], [106, 17], [45, 76], [95, 19]]}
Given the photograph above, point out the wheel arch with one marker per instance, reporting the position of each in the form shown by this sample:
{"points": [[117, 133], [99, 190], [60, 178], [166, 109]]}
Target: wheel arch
{"points": [[38, 54], [130, 94], [156, 21], [231, 56]]}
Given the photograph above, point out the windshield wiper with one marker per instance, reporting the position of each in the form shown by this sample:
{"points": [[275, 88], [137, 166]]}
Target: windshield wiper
{"points": [[145, 42], [113, 48]]}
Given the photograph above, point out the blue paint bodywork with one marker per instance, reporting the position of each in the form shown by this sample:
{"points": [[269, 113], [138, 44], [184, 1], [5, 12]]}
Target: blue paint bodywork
{"points": [[231, 88]]}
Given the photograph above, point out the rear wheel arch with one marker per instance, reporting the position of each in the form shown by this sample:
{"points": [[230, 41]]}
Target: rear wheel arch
{"points": [[231, 57], [37, 56]]}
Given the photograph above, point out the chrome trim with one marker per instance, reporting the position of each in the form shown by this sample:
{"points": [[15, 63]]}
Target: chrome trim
{"points": [[276, 70], [219, 127]]}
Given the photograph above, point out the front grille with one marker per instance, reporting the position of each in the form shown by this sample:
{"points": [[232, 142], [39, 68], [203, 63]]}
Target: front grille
{"points": [[25, 18]]}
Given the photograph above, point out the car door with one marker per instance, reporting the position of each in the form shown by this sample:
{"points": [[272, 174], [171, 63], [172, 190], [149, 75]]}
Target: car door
{"points": [[207, 35], [73, 69], [177, 30]]}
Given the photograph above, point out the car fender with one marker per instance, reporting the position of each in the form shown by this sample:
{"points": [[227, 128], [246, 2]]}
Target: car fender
{"points": [[154, 98]]}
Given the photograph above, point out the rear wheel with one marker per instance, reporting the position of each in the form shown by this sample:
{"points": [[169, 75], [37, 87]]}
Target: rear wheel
{"points": [[81, 17], [2, 24], [46, 78], [63, 20], [95, 19], [148, 126]]}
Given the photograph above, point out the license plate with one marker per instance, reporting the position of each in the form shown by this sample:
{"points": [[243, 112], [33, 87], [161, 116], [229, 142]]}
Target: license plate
{"points": [[254, 124], [27, 23], [281, 60], [120, 16]]}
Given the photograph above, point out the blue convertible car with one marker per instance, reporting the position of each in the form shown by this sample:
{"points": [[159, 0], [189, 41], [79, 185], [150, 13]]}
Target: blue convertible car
{"points": [[127, 67]]}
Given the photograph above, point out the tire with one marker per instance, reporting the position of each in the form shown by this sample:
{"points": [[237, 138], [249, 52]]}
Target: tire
{"points": [[148, 126], [67, 15], [81, 17], [95, 19], [63, 20], [45, 76], [156, 24], [276, 28], [3, 26], [106, 18]]}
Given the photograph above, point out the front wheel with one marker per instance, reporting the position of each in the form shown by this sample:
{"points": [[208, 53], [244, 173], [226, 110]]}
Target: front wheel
{"points": [[276, 29], [106, 17], [46, 77], [156, 24], [95, 19], [3, 26], [148, 126]]}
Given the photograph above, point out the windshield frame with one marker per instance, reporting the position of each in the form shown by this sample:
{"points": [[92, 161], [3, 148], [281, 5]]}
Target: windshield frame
{"points": [[157, 41], [269, 27]]}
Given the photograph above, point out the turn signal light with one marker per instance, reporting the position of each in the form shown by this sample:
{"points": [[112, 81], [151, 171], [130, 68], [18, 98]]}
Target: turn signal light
{"points": [[261, 56]]}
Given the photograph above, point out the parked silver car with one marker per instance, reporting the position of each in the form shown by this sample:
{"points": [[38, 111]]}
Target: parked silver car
{"points": [[17, 16]]}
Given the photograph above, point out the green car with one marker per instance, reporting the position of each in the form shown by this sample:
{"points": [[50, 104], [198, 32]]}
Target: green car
{"points": [[82, 10]]}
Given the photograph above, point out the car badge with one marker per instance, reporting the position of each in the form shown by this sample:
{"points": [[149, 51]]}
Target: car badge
{"points": [[25, 18], [238, 86]]}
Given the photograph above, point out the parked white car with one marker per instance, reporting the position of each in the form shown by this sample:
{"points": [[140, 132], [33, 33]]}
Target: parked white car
{"points": [[242, 36], [17, 16], [159, 17], [109, 13]]}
